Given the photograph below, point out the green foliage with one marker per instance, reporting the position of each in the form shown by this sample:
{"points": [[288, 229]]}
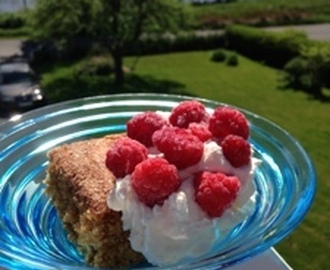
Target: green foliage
{"points": [[62, 21], [95, 66], [219, 56], [298, 74], [306, 63], [14, 24], [174, 43], [12, 20], [19, 32], [294, 71], [232, 60], [310, 71], [113, 24], [274, 49]]}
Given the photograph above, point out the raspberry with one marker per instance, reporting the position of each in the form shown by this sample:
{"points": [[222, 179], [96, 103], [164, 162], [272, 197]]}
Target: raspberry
{"points": [[125, 154], [143, 125], [215, 192], [154, 180], [179, 146], [201, 131], [236, 150], [226, 120], [188, 112]]}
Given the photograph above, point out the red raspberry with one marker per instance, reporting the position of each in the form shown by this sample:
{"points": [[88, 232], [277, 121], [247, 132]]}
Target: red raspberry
{"points": [[179, 146], [143, 125], [226, 120], [154, 180], [125, 154], [215, 192], [188, 112], [236, 150], [201, 131]]}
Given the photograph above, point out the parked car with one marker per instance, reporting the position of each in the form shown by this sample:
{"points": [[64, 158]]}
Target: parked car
{"points": [[19, 88]]}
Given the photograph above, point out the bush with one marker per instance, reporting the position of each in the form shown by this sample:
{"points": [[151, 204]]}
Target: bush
{"points": [[306, 63], [273, 49], [318, 55], [12, 20], [19, 32], [232, 60], [310, 71], [219, 56], [294, 70], [175, 43], [310, 84], [95, 66]]}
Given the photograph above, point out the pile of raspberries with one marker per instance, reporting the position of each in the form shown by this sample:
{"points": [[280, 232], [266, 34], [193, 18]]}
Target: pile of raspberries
{"points": [[180, 140]]}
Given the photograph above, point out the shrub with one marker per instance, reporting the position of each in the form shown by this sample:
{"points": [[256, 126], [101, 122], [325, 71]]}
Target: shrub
{"points": [[318, 55], [17, 32], [12, 20], [232, 60], [219, 56], [175, 43], [95, 66], [274, 49], [42, 52], [310, 71], [295, 71], [311, 84]]}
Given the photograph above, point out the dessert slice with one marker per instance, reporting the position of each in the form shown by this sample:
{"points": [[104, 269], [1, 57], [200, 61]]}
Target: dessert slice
{"points": [[171, 189], [78, 183]]}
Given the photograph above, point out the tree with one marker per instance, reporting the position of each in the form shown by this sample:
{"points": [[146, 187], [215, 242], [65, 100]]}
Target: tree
{"points": [[112, 23]]}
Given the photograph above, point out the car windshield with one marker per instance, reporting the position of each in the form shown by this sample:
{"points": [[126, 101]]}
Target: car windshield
{"points": [[15, 77]]}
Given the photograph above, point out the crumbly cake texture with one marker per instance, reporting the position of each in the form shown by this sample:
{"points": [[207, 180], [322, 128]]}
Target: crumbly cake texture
{"points": [[78, 184]]}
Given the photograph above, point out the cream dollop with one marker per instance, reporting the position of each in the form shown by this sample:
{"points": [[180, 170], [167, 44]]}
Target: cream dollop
{"points": [[179, 229]]}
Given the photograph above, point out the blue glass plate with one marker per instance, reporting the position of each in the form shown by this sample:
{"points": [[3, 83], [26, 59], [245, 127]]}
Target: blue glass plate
{"points": [[31, 234]]}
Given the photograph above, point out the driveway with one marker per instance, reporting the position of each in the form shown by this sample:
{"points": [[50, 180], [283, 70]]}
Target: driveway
{"points": [[10, 48]]}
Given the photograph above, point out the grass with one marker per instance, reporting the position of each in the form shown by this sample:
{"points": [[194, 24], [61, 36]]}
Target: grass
{"points": [[251, 86], [14, 24], [22, 32]]}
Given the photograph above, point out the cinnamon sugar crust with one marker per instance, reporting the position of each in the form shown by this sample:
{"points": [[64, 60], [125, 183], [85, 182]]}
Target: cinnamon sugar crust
{"points": [[78, 183]]}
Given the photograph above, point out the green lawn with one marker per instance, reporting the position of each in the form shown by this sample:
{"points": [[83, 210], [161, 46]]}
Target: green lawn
{"points": [[250, 86]]}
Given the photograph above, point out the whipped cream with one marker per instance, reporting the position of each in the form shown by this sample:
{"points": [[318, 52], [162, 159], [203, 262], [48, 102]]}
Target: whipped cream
{"points": [[179, 229]]}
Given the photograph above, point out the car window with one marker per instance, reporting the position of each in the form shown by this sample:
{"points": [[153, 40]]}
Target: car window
{"points": [[15, 77]]}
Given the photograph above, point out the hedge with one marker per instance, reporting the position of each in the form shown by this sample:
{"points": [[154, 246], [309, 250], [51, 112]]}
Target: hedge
{"points": [[306, 63], [179, 43], [19, 32], [273, 49], [12, 20]]}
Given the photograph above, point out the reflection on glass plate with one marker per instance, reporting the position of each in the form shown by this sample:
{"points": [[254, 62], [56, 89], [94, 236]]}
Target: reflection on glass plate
{"points": [[31, 235]]}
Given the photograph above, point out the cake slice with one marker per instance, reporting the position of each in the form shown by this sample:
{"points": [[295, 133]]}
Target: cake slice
{"points": [[78, 184], [176, 190]]}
